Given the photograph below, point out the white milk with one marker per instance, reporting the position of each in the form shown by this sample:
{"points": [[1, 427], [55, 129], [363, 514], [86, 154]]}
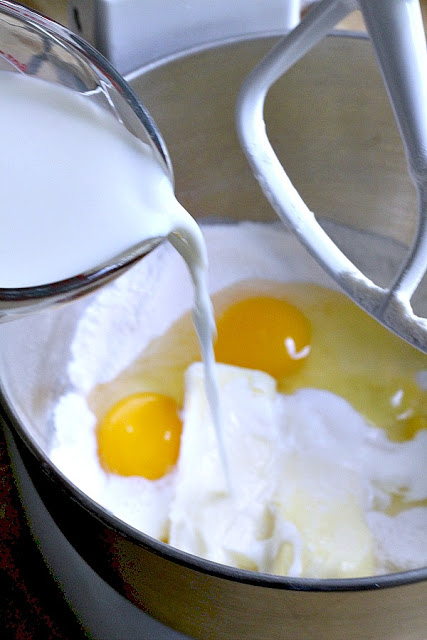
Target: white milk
{"points": [[78, 189]]}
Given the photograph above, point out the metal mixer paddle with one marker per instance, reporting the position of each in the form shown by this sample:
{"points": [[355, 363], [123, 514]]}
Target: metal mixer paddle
{"points": [[397, 33]]}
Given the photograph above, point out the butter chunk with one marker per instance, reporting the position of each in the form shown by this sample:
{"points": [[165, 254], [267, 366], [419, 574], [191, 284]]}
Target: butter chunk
{"points": [[206, 519], [322, 489], [324, 502]]}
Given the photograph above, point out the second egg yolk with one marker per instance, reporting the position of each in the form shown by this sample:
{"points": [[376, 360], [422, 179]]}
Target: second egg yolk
{"points": [[263, 333], [140, 436]]}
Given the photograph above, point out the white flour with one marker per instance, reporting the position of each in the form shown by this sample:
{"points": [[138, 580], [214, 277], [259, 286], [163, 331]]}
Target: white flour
{"points": [[127, 315]]}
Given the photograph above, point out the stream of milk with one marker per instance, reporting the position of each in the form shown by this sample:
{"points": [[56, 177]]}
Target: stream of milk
{"points": [[79, 189]]}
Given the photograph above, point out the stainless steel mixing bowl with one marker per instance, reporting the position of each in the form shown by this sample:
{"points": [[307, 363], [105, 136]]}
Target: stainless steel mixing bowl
{"points": [[331, 122]]}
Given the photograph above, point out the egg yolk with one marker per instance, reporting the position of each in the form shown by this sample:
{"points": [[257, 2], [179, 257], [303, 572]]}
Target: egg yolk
{"points": [[140, 436], [412, 426], [263, 333]]}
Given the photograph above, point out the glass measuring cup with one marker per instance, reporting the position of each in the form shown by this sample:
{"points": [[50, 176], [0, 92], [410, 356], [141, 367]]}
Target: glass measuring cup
{"points": [[33, 45]]}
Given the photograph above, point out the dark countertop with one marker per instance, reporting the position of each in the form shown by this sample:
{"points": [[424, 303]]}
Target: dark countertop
{"points": [[31, 604]]}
